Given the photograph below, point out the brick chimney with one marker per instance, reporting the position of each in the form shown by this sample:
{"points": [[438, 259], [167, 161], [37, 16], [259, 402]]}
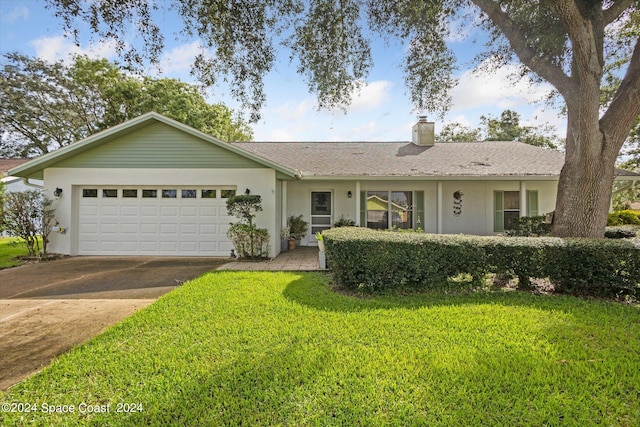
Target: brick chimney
{"points": [[423, 132]]}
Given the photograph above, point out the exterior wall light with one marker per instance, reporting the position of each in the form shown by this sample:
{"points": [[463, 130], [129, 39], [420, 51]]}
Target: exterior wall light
{"points": [[57, 192], [349, 194]]}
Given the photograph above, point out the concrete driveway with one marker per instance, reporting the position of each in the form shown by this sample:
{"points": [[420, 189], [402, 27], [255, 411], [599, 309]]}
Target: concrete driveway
{"points": [[47, 308]]}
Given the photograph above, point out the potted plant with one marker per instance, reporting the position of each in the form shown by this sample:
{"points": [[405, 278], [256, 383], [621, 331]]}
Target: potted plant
{"points": [[297, 228], [320, 240], [285, 234]]}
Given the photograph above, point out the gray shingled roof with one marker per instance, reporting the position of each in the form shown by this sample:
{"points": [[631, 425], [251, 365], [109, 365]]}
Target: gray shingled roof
{"points": [[386, 159]]}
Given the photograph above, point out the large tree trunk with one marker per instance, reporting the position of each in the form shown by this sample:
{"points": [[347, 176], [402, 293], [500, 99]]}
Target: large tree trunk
{"points": [[584, 189], [586, 179]]}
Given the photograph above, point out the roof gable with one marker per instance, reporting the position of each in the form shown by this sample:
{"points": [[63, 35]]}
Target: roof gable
{"points": [[148, 141], [158, 146]]}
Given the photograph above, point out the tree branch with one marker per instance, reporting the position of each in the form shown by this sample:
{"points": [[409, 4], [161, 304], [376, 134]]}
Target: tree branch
{"points": [[543, 67], [625, 108], [586, 53], [614, 11]]}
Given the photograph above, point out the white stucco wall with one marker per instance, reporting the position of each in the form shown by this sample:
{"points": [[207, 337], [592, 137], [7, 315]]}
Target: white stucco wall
{"points": [[259, 181]]}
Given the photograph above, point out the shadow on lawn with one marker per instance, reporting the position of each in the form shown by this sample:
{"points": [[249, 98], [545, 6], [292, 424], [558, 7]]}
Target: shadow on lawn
{"points": [[314, 292]]}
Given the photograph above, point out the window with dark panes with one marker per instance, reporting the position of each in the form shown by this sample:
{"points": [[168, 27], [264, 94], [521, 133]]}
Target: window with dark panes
{"points": [[208, 194], [189, 194]]}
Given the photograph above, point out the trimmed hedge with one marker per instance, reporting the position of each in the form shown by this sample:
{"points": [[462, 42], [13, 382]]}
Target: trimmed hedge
{"points": [[372, 260]]}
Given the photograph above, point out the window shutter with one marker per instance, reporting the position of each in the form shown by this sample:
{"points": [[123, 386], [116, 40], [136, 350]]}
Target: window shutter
{"points": [[532, 203], [498, 216], [418, 209], [363, 209]]}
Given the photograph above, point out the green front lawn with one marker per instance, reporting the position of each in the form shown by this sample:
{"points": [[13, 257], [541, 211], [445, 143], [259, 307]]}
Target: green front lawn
{"points": [[255, 348], [10, 249]]}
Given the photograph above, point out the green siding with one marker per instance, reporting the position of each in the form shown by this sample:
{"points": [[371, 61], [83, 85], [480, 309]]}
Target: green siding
{"points": [[419, 204], [532, 203], [158, 146], [498, 216], [363, 209]]}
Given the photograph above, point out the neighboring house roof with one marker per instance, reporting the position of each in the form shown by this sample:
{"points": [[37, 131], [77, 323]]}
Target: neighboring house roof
{"points": [[6, 164], [34, 168]]}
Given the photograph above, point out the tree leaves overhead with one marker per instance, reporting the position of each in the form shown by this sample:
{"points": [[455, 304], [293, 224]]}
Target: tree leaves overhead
{"points": [[334, 55], [45, 106], [329, 41]]}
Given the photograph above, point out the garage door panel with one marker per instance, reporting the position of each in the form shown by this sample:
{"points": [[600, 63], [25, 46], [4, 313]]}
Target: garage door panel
{"points": [[128, 246], [188, 229], [209, 229], [109, 211], [131, 211], [106, 228], [168, 228], [151, 226], [169, 211], [188, 211], [171, 247], [149, 211], [86, 210], [209, 211], [129, 228]]}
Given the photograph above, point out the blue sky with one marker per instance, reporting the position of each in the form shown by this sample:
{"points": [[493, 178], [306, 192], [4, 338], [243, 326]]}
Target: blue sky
{"points": [[381, 112]]}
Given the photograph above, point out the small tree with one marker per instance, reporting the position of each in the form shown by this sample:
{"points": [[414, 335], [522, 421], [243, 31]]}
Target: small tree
{"points": [[3, 189], [248, 240], [24, 217], [48, 220]]}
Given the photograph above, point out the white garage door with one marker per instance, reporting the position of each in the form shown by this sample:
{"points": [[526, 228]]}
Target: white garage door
{"points": [[178, 221]]}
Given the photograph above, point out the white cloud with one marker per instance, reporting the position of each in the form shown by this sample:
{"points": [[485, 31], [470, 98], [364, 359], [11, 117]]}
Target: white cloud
{"points": [[60, 48], [18, 12], [179, 59], [483, 89], [541, 116], [371, 95], [295, 111]]}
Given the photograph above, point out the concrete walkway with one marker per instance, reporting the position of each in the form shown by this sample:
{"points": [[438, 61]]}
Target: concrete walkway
{"points": [[300, 259]]}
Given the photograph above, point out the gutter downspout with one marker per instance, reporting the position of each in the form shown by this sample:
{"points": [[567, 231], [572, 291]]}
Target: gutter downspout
{"points": [[28, 184]]}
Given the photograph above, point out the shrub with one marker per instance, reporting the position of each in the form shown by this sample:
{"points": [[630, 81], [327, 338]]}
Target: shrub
{"points": [[593, 266], [531, 226], [619, 233], [297, 226], [377, 260], [27, 215], [344, 222], [361, 258], [248, 240], [623, 218]]}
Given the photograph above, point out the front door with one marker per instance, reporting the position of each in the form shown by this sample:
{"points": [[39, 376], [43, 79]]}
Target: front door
{"points": [[321, 212]]}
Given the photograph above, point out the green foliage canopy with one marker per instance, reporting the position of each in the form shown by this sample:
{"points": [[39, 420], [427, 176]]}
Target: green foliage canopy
{"points": [[505, 128], [45, 106]]}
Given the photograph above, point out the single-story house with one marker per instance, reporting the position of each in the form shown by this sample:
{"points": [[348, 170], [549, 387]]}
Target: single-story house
{"points": [[153, 186]]}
